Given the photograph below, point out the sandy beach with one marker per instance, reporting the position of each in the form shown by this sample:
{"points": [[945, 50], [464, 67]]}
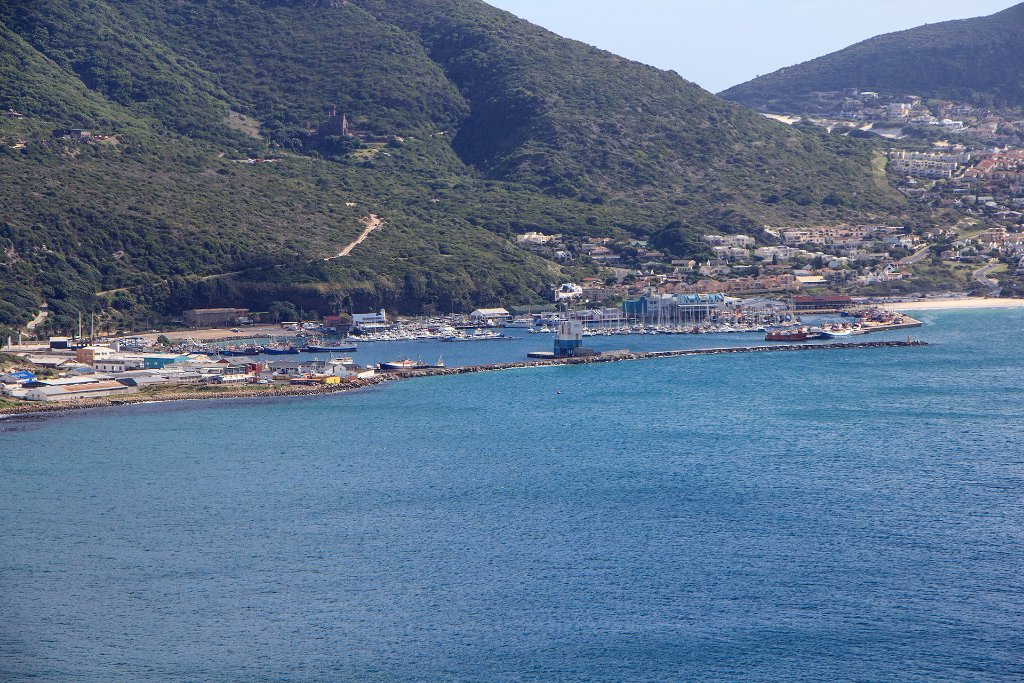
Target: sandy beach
{"points": [[954, 304]]}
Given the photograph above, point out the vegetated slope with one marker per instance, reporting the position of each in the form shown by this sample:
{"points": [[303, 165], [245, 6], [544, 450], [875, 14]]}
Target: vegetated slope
{"points": [[496, 126], [973, 60], [580, 122], [160, 210]]}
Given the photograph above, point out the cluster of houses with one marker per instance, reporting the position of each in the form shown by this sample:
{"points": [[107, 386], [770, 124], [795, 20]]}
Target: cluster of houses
{"points": [[990, 185], [891, 115], [105, 371], [928, 165], [978, 247], [845, 254], [802, 258], [602, 250]]}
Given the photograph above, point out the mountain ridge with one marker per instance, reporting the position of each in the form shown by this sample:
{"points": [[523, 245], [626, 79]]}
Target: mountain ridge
{"points": [[975, 60]]}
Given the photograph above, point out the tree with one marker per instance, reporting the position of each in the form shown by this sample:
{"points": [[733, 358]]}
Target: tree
{"points": [[282, 310]]}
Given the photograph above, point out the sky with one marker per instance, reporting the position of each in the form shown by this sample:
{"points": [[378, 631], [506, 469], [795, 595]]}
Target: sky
{"points": [[720, 43]]}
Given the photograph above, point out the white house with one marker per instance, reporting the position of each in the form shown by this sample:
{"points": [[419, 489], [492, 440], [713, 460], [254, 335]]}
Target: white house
{"points": [[568, 290]]}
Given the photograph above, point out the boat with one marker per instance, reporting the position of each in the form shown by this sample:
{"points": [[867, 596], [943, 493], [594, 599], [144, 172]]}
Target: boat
{"points": [[478, 335], [836, 334], [279, 349], [520, 323], [316, 345], [404, 364], [790, 334]]}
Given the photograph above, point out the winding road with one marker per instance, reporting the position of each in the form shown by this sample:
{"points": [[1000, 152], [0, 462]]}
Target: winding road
{"points": [[981, 275], [915, 257], [44, 311], [372, 222]]}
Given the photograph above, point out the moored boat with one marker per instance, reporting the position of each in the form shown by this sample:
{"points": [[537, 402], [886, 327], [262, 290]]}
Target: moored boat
{"points": [[316, 345], [280, 349], [791, 334], [404, 364], [836, 334]]}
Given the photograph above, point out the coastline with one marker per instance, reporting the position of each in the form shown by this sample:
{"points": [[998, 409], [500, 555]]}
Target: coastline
{"points": [[964, 303], [186, 392], [165, 394]]}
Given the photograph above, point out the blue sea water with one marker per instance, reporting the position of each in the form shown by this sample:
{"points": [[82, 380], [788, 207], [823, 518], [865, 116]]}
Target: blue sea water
{"points": [[835, 516]]}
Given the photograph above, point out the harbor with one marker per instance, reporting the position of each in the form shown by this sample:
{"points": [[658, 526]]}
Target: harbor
{"points": [[302, 358], [164, 393]]}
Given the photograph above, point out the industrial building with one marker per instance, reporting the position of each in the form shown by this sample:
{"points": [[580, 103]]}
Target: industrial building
{"points": [[214, 317]]}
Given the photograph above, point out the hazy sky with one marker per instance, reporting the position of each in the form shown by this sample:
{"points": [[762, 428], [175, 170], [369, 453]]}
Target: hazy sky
{"points": [[719, 43]]}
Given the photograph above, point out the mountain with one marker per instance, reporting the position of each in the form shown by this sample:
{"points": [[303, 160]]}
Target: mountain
{"points": [[979, 61], [470, 125]]}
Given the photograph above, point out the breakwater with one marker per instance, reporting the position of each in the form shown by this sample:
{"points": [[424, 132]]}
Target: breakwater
{"points": [[618, 356], [188, 392]]}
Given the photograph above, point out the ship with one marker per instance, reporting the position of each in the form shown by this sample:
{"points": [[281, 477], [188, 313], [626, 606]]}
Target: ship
{"points": [[408, 364], [316, 345], [280, 349], [249, 350], [790, 334], [836, 333]]}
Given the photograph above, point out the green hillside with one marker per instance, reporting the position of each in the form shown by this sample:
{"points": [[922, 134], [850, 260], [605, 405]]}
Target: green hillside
{"points": [[980, 61], [476, 125]]}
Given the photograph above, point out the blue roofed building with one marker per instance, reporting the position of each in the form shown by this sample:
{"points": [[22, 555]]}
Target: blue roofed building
{"points": [[17, 377]]}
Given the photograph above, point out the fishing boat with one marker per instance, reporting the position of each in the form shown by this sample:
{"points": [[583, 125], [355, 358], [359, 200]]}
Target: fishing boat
{"points": [[404, 364], [790, 334], [836, 333], [280, 348], [316, 345]]}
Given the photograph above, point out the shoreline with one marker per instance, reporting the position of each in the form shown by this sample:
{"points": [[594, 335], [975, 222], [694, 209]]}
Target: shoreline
{"points": [[175, 393], [963, 303], [186, 392]]}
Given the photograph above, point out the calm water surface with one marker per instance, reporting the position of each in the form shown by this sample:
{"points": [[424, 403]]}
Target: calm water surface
{"points": [[830, 516]]}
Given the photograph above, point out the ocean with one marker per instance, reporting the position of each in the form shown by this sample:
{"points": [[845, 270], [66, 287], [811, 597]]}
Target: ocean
{"points": [[837, 516]]}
